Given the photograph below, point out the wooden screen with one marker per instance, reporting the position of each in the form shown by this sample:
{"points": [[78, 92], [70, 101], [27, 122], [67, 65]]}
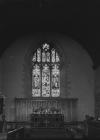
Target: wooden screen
{"points": [[25, 107]]}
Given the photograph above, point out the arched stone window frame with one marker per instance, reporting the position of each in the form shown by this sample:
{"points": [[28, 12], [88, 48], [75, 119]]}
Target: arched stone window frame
{"points": [[46, 71]]}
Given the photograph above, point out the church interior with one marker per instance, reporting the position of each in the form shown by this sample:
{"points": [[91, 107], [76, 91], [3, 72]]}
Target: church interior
{"points": [[49, 69]]}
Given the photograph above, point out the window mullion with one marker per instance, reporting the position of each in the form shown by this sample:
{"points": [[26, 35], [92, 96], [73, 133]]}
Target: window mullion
{"points": [[41, 72]]}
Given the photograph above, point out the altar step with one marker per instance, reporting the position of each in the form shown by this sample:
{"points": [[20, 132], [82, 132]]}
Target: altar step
{"points": [[45, 133]]}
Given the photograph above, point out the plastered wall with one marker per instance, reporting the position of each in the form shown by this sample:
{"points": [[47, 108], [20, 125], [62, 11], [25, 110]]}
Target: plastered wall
{"points": [[77, 74]]}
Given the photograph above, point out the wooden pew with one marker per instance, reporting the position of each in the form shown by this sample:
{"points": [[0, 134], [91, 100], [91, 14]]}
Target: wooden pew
{"points": [[94, 129], [16, 134]]}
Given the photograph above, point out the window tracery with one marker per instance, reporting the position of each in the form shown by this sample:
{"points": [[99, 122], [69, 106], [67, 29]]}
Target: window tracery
{"points": [[46, 72]]}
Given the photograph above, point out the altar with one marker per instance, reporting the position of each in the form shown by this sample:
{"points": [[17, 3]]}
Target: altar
{"points": [[47, 120]]}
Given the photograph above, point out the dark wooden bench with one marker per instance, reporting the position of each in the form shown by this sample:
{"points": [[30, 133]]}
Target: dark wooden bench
{"points": [[94, 129]]}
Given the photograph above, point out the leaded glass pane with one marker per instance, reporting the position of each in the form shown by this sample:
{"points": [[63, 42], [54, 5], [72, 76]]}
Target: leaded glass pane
{"points": [[48, 56], [38, 55], [57, 57], [43, 56], [45, 81], [45, 46], [55, 85], [53, 55], [55, 92], [34, 58], [36, 80]]}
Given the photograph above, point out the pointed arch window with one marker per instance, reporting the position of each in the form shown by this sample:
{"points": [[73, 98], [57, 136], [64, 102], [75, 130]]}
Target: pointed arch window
{"points": [[45, 72]]}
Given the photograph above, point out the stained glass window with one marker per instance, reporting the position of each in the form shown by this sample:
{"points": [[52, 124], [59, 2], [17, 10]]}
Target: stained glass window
{"points": [[46, 72]]}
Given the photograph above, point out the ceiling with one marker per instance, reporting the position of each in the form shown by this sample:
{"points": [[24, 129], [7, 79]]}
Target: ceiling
{"points": [[78, 19]]}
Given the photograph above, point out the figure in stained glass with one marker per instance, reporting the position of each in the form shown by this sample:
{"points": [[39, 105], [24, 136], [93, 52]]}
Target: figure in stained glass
{"points": [[46, 81]]}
